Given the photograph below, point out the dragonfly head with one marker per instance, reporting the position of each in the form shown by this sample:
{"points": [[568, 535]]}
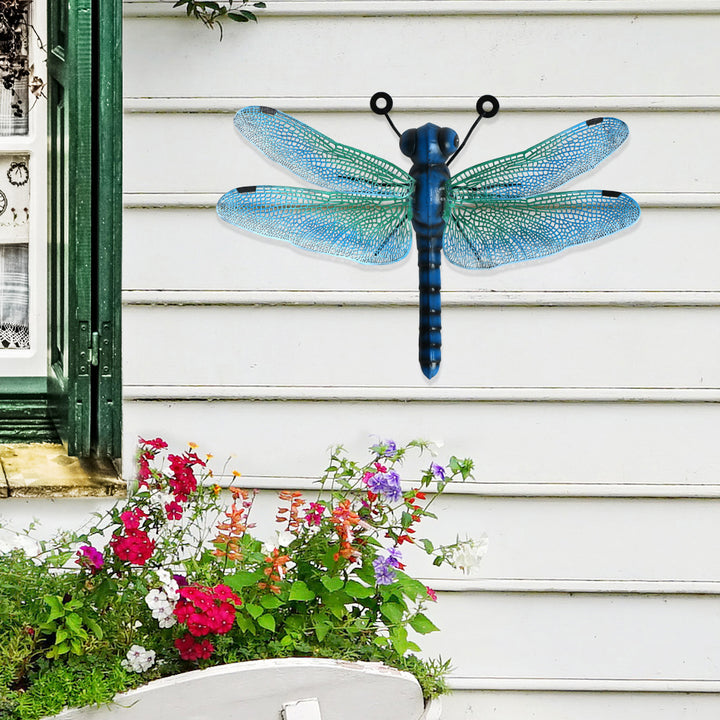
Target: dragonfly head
{"points": [[429, 144]]}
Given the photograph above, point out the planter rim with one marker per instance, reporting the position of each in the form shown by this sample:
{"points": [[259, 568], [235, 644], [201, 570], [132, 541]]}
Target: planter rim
{"points": [[264, 685]]}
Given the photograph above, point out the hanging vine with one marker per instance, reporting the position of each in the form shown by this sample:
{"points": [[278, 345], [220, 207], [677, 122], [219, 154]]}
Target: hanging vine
{"points": [[212, 13]]}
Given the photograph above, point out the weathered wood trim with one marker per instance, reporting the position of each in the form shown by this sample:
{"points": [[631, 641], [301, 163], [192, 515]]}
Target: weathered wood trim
{"points": [[433, 395], [359, 104], [376, 8], [404, 298]]}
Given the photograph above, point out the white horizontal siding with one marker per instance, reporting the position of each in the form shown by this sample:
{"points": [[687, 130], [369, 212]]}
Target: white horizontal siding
{"points": [[508, 54], [669, 250], [490, 347], [591, 704], [584, 385], [560, 446], [666, 151], [578, 636]]}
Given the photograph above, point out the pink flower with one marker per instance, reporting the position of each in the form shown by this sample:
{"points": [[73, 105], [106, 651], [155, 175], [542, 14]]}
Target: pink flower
{"points": [[90, 558], [431, 593], [314, 515]]}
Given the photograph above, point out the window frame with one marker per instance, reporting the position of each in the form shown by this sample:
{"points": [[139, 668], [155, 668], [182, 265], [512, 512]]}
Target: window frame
{"points": [[82, 393]]}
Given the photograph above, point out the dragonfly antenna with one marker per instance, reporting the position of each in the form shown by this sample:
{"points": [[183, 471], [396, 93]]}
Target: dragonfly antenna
{"points": [[482, 113], [381, 104]]}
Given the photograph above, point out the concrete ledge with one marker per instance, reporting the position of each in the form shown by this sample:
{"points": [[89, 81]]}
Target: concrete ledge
{"points": [[46, 470]]}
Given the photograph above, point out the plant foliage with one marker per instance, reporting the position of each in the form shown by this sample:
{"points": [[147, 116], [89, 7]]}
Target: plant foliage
{"points": [[177, 578], [212, 13]]}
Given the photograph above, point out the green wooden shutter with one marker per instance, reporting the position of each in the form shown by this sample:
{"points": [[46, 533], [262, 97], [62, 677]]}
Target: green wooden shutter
{"points": [[108, 230], [84, 86]]}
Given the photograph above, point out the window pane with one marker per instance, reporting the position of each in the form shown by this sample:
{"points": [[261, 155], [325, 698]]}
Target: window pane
{"points": [[14, 329], [14, 70], [14, 223]]}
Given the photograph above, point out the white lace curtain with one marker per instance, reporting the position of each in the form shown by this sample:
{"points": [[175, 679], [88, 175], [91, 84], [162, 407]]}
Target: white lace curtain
{"points": [[14, 327]]}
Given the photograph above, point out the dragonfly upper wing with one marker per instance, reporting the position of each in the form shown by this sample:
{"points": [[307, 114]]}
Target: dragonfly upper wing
{"points": [[319, 159], [497, 231], [368, 230], [548, 164]]}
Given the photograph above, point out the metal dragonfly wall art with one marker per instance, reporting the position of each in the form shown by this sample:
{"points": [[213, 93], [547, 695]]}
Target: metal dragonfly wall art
{"points": [[497, 212]]}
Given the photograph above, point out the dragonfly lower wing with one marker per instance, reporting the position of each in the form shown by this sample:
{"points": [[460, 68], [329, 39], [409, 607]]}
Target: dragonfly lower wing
{"points": [[483, 234], [368, 230]]}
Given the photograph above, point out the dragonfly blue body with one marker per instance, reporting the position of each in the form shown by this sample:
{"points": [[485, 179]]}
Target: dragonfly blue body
{"points": [[429, 147], [490, 214]]}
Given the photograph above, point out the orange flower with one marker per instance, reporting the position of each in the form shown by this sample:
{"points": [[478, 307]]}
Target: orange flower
{"points": [[296, 501], [344, 519]]}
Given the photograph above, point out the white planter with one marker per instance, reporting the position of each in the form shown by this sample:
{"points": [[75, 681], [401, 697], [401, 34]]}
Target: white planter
{"points": [[271, 689]]}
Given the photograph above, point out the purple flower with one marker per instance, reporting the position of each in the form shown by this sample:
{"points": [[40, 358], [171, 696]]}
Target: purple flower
{"points": [[89, 558], [386, 484], [438, 471], [384, 566], [181, 580], [384, 574], [394, 558], [386, 448]]}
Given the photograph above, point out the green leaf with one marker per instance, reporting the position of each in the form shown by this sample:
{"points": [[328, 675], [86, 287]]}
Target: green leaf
{"points": [[411, 587], [333, 584], [322, 626], [270, 602], [429, 547], [301, 592], [241, 579], [94, 627], [237, 17], [259, 5], [61, 635], [358, 591], [255, 611], [392, 611], [422, 624], [245, 624], [74, 622], [398, 639], [56, 608], [267, 622]]}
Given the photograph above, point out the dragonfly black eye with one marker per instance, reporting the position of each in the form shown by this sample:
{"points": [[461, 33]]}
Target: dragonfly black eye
{"points": [[408, 142], [448, 141]]}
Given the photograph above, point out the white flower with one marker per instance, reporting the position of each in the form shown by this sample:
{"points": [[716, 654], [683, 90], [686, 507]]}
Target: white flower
{"points": [[162, 607], [467, 554], [165, 616], [156, 599], [138, 659], [169, 585]]}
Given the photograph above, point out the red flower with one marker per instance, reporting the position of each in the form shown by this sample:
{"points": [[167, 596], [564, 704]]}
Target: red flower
{"points": [[131, 518], [206, 610], [135, 547], [156, 444], [191, 649], [174, 510]]}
